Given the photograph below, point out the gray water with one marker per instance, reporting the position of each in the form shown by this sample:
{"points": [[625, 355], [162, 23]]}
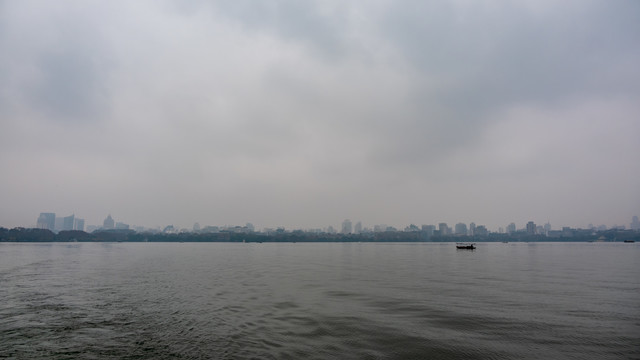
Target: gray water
{"points": [[320, 300]]}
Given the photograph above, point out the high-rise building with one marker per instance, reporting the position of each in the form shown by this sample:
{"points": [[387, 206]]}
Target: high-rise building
{"points": [[635, 224], [108, 223], [346, 227], [531, 228], [46, 221], [443, 228], [79, 224], [481, 230], [511, 228], [358, 227], [59, 223], [68, 222], [461, 229], [428, 229], [472, 229]]}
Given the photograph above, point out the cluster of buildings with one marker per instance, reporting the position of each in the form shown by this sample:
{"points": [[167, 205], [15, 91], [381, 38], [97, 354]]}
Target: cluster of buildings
{"points": [[51, 222], [461, 229], [110, 224], [56, 224], [430, 230]]}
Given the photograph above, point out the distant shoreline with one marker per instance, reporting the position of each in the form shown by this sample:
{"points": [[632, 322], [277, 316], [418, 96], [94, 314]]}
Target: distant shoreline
{"points": [[43, 235]]}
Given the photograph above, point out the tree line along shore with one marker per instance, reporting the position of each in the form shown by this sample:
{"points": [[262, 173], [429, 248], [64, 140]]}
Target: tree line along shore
{"points": [[44, 235]]}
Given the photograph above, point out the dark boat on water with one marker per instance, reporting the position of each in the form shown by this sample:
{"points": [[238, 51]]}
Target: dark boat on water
{"points": [[465, 246], [629, 241]]}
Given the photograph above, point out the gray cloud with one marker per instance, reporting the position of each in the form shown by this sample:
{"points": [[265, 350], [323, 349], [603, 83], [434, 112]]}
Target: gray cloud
{"points": [[303, 114], [320, 29], [61, 68]]}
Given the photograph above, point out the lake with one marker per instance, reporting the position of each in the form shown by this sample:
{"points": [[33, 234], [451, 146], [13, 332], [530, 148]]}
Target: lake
{"points": [[319, 301]]}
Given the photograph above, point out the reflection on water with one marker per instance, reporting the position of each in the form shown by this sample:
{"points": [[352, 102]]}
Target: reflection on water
{"points": [[323, 300]]}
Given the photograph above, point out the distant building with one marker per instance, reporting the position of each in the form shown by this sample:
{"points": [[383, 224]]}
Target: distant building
{"points": [[346, 227], [108, 223], [443, 228], [472, 229], [461, 229], [214, 229], [481, 230], [196, 227], [567, 231], [380, 228], [46, 221], [428, 229], [635, 224], [358, 228], [122, 226], [531, 228], [511, 228], [79, 225], [59, 223], [68, 222]]}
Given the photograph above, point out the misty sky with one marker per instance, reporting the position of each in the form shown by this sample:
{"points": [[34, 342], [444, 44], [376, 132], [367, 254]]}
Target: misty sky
{"points": [[304, 113]]}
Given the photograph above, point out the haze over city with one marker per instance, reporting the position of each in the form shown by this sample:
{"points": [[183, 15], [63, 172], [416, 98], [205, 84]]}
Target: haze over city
{"points": [[303, 114]]}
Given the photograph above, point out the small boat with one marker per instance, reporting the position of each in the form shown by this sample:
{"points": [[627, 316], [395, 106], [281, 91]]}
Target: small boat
{"points": [[465, 246], [629, 241]]}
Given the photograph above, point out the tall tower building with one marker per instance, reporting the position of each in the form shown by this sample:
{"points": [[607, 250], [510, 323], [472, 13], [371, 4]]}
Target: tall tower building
{"points": [[635, 224], [68, 222], [46, 221], [108, 223], [461, 229], [428, 229], [358, 227], [79, 224], [346, 226], [531, 228], [443, 228]]}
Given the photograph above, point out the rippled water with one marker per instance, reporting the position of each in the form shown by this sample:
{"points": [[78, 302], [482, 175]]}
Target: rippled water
{"points": [[322, 300]]}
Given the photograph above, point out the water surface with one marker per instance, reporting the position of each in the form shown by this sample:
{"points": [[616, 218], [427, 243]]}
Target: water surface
{"points": [[319, 300]]}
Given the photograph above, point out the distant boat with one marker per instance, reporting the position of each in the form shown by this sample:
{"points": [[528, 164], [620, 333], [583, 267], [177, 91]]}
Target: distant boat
{"points": [[465, 246], [629, 241]]}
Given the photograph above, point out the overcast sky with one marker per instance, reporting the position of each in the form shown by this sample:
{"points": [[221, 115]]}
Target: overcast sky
{"points": [[304, 113]]}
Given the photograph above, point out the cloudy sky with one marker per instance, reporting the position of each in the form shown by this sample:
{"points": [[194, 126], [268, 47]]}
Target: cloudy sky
{"points": [[304, 113]]}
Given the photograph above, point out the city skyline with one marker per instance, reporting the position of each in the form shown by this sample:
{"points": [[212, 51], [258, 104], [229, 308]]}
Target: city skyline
{"points": [[49, 220], [303, 114]]}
